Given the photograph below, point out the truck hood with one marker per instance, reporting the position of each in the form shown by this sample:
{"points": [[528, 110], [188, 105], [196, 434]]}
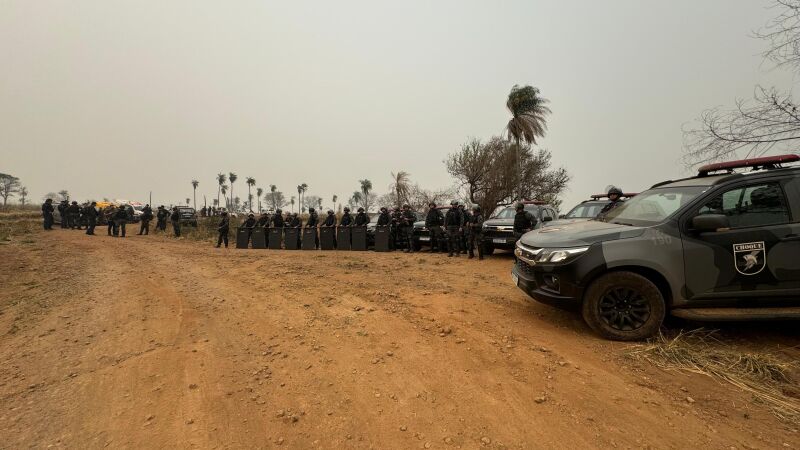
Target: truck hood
{"points": [[579, 234], [498, 222]]}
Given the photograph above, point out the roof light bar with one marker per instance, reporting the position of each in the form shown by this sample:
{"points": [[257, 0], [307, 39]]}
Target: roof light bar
{"points": [[766, 162]]}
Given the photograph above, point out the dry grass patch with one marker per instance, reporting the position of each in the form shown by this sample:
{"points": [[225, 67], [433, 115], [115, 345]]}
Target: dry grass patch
{"points": [[766, 376]]}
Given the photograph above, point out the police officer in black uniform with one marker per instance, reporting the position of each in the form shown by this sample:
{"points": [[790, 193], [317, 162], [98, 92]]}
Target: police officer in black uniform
{"points": [[47, 213], [524, 221], [330, 222], [222, 228], [465, 218], [453, 224], [434, 222], [120, 220], [161, 218], [407, 219], [62, 211], [147, 216], [248, 225], [361, 218], [614, 197], [277, 219], [91, 218], [394, 231], [296, 223], [263, 220], [346, 219], [475, 232], [175, 218], [73, 216], [312, 222]]}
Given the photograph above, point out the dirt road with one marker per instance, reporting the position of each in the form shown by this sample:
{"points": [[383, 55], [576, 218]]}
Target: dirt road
{"points": [[148, 342]]}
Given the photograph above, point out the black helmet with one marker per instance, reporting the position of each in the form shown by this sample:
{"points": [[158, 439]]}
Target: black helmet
{"points": [[453, 202], [74, 202], [346, 209], [310, 210], [224, 213], [406, 206], [251, 215], [615, 190], [432, 205], [520, 206], [330, 212], [278, 211], [360, 209], [476, 208], [383, 209]]}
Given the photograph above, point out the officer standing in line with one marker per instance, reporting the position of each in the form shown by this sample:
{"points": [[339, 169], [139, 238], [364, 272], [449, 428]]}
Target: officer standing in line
{"points": [[296, 223], [91, 218], [475, 232], [523, 221], [248, 225], [330, 222], [361, 218], [222, 229], [277, 219], [147, 216], [346, 219], [394, 232], [175, 217], [434, 222], [312, 222], [47, 213], [120, 220], [453, 225], [161, 218], [465, 218], [263, 220], [73, 215], [108, 214], [62, 211], [614, 197], [407, 219]]}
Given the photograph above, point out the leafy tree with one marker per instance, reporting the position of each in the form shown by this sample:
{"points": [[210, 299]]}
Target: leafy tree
{"points": [[23, 194], [366, 188], [221, 179], [311, 201], [272, 190], [9, 186], [232, 177], [195, 183], [259, 192], [63, 195], [250, 183], [224, 190], [276, 200], [304, 186], [528, 111], [292, 202], [401, 184], [486, 171]]}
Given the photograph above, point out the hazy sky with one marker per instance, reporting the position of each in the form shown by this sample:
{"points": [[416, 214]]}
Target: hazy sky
{"points": [[117, 98]]}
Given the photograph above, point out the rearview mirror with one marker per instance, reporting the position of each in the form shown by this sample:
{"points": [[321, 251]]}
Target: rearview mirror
{"points": [[547, 219], [710, 222]]}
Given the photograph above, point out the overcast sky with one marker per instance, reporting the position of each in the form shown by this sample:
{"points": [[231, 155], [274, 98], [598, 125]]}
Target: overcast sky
{"points": [[117, 98]]}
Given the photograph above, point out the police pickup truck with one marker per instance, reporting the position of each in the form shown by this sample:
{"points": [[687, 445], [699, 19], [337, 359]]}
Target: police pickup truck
{"points": [[498, 230], [722, 245]]}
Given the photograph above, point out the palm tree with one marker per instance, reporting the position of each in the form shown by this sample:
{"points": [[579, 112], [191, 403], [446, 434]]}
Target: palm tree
{"points": [[232, 177], [400, 181], [23, 192], [335, 197], [187, 201], [259, 191], [272, 189], [299, 197], [224, 189], [195, 183], [221, 179], [366, 187], [292, 202], [250, 183], [305, 188], [319, 202], [528, 111]]}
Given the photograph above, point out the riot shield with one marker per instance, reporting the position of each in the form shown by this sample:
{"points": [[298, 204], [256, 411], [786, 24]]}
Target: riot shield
{"points": [[291, 238], [259, 237], [326, 238], [343, 238], [382, 236], [359, 238], [310, 238], [275, 235], [242, 237]]}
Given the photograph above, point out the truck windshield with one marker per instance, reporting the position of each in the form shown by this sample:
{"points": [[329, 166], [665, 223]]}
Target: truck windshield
{"points": [[510, 212], [653, 206], [586, 210]]}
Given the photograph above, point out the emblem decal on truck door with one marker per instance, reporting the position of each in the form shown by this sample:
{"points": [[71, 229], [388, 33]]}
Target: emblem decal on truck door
{"points": [[749, 258]]}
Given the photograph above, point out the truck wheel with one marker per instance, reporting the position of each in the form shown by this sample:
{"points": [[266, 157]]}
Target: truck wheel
{"points": [[488, 249], [624, 306]]}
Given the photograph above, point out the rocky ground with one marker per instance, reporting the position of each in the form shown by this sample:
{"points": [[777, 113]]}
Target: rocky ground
{"points": [[151, 342]]}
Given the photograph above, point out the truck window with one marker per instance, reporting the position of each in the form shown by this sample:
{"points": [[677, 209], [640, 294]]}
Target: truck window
{"points": [[750, 206]]}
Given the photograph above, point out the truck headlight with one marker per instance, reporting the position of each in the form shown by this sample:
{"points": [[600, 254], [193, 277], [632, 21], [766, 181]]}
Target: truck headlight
{"points": [[559, 255]]}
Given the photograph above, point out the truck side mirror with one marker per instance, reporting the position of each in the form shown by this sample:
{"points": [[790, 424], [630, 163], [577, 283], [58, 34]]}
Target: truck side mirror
{"points": [[547, 219], [562, 216], [710, 223]]}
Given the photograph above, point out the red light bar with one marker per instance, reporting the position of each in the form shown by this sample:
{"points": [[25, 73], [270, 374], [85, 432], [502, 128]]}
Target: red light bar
{"points": [[763, 162], [624, 194]]}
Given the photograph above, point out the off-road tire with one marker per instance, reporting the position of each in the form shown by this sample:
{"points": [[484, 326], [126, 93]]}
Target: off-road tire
{"points": [[624, 306]]}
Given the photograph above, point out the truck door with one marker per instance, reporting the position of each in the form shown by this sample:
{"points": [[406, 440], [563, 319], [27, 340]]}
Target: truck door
{"points": [[757, 257]]}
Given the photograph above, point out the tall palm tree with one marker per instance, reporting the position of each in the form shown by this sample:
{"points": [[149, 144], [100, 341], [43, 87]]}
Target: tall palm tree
{"points": [[319, 202], [335, 197], [400, 182], [232, 177], [224, 189], [272, 190], [250, 183], [195, 183], [221, 179], [292, 202], [23, 193], [366, 187], [259, 191], [528, 111], [305, 188]]}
